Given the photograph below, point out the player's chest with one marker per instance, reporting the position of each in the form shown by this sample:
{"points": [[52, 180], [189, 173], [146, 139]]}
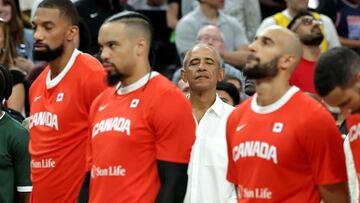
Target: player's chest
{"points": [[122, 119], [55, 107], [270, 139]]}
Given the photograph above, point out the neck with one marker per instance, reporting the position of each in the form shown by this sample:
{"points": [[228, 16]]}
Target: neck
{"points": [[58, 64], [201, 102], [139, 71], [292, 12], [209, 12], [311, 53], [270, 90]]}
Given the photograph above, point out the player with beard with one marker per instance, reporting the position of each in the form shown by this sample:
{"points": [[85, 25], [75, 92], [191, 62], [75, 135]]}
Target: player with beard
{"points": [[60, 100], [275, 153], [337, 79], [142, 128], [311, 36]]}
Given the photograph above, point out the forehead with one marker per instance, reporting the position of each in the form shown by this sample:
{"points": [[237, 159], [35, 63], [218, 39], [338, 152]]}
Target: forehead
{"points": [[336, 96], [202, 52], [209, 31], [47, 15], [111, 31]]}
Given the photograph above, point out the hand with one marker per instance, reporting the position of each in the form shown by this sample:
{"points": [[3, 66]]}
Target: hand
{"points": [[24, 64]]}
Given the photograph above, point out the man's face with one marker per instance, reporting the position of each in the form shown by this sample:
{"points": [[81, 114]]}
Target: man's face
{"points": [[347, 99], [308, 30], [202, 70], [298, 5], [116, 51], [51, 31], [262, 61], [225, 97], [211, 37]]}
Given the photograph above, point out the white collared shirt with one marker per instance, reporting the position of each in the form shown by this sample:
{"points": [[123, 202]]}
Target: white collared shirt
{"points": [[208, 161]]}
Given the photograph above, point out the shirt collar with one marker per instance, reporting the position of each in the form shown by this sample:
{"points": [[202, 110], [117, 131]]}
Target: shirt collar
{"points": [[217, 107], [50, 83], [136, 85]]}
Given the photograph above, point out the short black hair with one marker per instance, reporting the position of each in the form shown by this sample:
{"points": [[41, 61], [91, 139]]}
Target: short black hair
{"points": [[132, 18], [231, 90], [297, 16], [66, 8], [6, 83], [336, 68]]}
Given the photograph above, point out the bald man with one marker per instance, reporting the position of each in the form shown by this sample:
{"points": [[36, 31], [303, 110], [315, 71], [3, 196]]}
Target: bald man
{"points": [[277, 150]]}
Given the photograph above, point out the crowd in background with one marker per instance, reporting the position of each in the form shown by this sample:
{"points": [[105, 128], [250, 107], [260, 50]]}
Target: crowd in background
{"points": [[228, 27]]}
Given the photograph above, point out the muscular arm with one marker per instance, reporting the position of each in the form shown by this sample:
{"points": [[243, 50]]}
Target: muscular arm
{"points": [[173, 180], [334, 193]]}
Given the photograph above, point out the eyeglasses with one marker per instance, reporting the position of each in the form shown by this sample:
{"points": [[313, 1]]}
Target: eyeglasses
{"points": [[307, 21], [206, 38]]}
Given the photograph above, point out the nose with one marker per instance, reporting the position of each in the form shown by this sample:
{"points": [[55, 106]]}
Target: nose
{"points": [[252, 47], [38, 35], [202, 65], [104, 54]]}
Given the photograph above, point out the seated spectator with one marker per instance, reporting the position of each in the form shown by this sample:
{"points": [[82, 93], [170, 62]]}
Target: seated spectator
{"points": [[19, 97], [228, 93], [283, 19], [247, 12], [311, 36], [209, 13], [22, 38], [348, 23], [212, 36], [94, 13], [239, 85]]}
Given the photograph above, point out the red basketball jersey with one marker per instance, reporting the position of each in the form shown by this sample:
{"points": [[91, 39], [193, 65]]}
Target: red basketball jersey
{"points": [[282, 152], [132, 128], [59, 127]]}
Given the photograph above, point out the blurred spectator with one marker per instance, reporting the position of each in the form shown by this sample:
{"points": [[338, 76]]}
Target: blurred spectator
{"points": [[348, 23], [250, 87], [212, 36], [209, 13], [283, 19], [228, 93], [19, 97], [270, 7], [239, 85], [311, 36], [18, 35], [247, 12], [94, 13]]}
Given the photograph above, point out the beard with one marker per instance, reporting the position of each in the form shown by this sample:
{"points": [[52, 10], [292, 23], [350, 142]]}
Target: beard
{"points": [[254, 70], [313, 39], [113, 77], [48, 54]]}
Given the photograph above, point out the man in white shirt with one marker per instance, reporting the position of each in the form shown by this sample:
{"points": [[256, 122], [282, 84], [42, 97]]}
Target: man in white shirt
{"points": [[294, 7], [208, 163]]}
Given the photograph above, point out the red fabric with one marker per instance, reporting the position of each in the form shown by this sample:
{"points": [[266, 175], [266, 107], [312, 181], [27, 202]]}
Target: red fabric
{"points": [[152, 123], [353, 125], [58, 145], [282, 156], [303, 76]]}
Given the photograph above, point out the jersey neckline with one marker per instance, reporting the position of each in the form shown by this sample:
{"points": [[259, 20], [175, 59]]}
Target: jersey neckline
{"points": [[274, 106], [50, 83], [136, 85]]}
